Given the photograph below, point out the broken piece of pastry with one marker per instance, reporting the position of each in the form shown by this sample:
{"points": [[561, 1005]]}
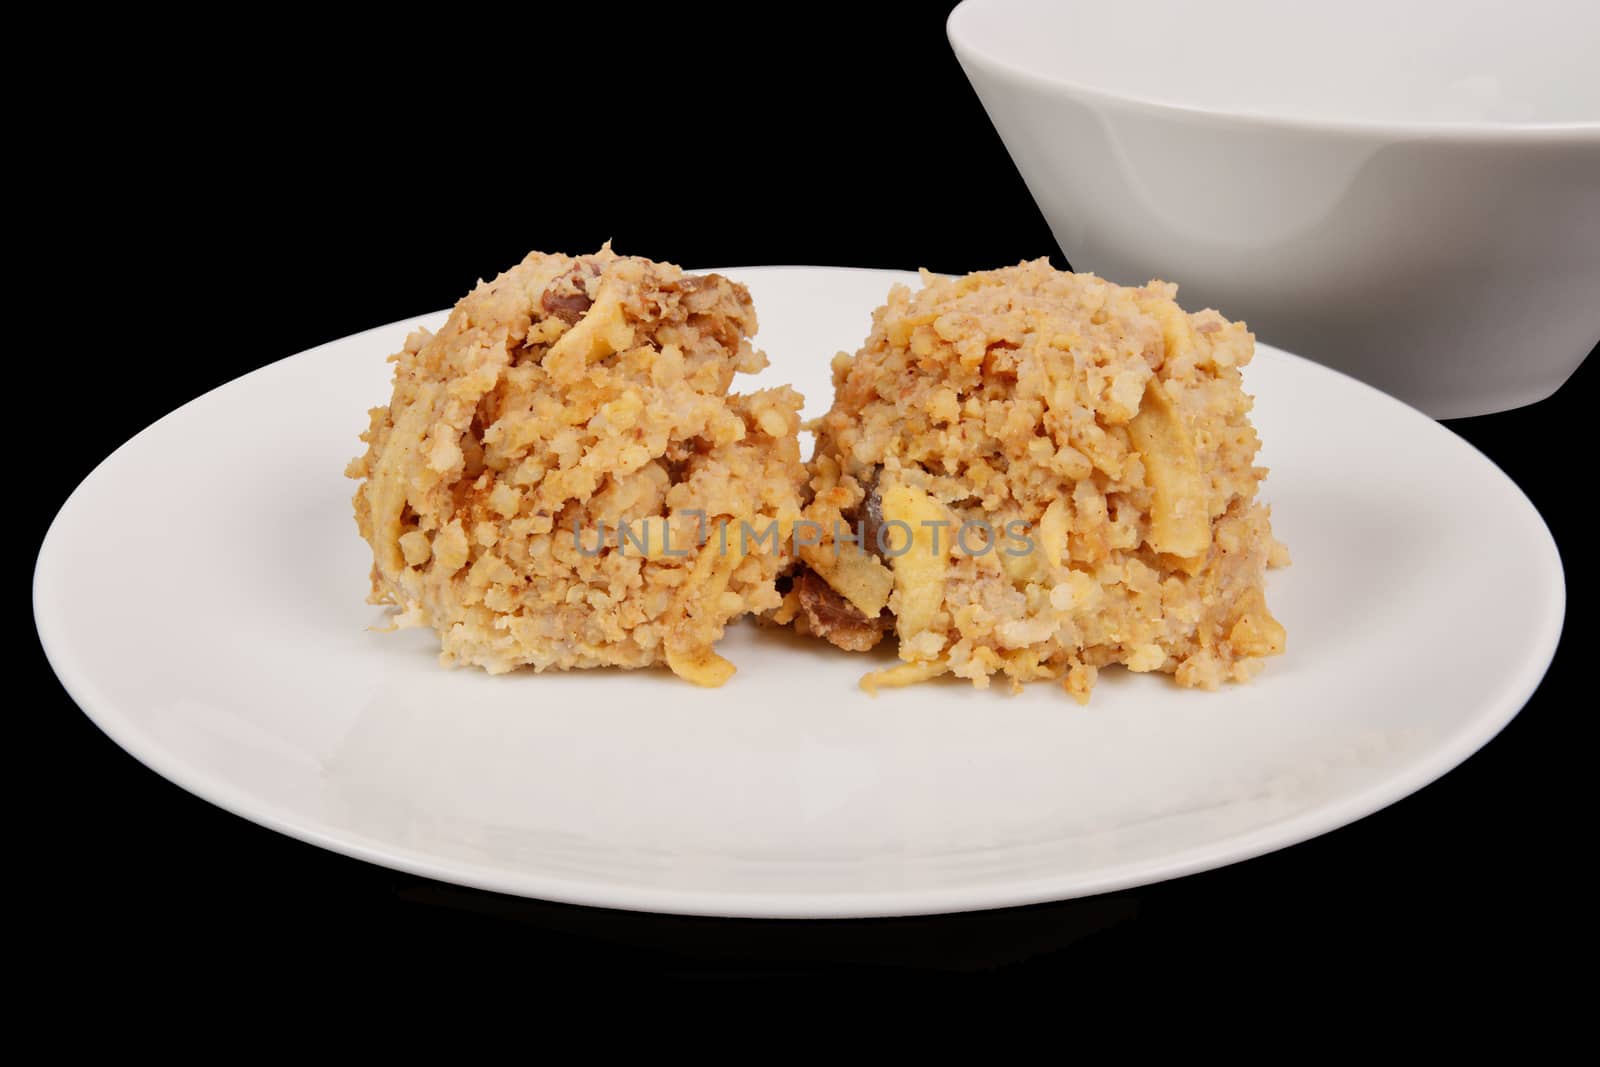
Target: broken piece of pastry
{"points": [[1036, 474], [544, 486]]}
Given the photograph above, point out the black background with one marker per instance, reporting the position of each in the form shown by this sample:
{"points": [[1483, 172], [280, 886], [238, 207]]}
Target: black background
{"points": [[226, 207]]}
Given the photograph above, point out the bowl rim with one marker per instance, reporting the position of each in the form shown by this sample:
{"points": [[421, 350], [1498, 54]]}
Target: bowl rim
{"points": [[969, 54]]}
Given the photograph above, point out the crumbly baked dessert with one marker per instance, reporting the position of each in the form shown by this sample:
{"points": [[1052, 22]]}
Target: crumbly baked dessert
{"points": [[1035, 474], [547, 482]]}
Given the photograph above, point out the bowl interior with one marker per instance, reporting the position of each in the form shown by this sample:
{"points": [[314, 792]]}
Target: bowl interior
{"points": [[1452, 62]]}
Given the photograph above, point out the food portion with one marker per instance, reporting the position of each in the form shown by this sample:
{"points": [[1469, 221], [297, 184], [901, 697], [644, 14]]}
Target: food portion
{"points": [[547, 484], [1036, 474]]}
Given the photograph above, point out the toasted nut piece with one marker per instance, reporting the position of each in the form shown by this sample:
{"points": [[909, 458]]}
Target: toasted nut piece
{"points": [[1147, 657], [414, 544], [1180, 522], [833, 618], [1053, 531], [872, 516], [1034, 565], [705, 583], [566, 298], [853, 574], [601, 332], [1257, 633], [702, 666], [919, 570], [903, 674], [1024, 568], [1177, 330]]}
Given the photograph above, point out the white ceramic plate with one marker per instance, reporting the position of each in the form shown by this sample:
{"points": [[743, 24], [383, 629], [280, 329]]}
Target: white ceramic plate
{"points": [[201, 597]]}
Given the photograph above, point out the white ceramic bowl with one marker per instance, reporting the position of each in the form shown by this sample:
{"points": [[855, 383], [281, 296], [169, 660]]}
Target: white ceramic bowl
{"points": [[1407, 190]]}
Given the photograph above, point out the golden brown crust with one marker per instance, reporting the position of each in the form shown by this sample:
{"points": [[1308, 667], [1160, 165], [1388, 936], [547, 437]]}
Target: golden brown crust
{"points": [[563, 395], [1107, 423]]}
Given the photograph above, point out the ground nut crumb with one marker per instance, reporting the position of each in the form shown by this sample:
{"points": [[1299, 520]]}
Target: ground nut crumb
{"points": [[565, 394], [1107, 424]]}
